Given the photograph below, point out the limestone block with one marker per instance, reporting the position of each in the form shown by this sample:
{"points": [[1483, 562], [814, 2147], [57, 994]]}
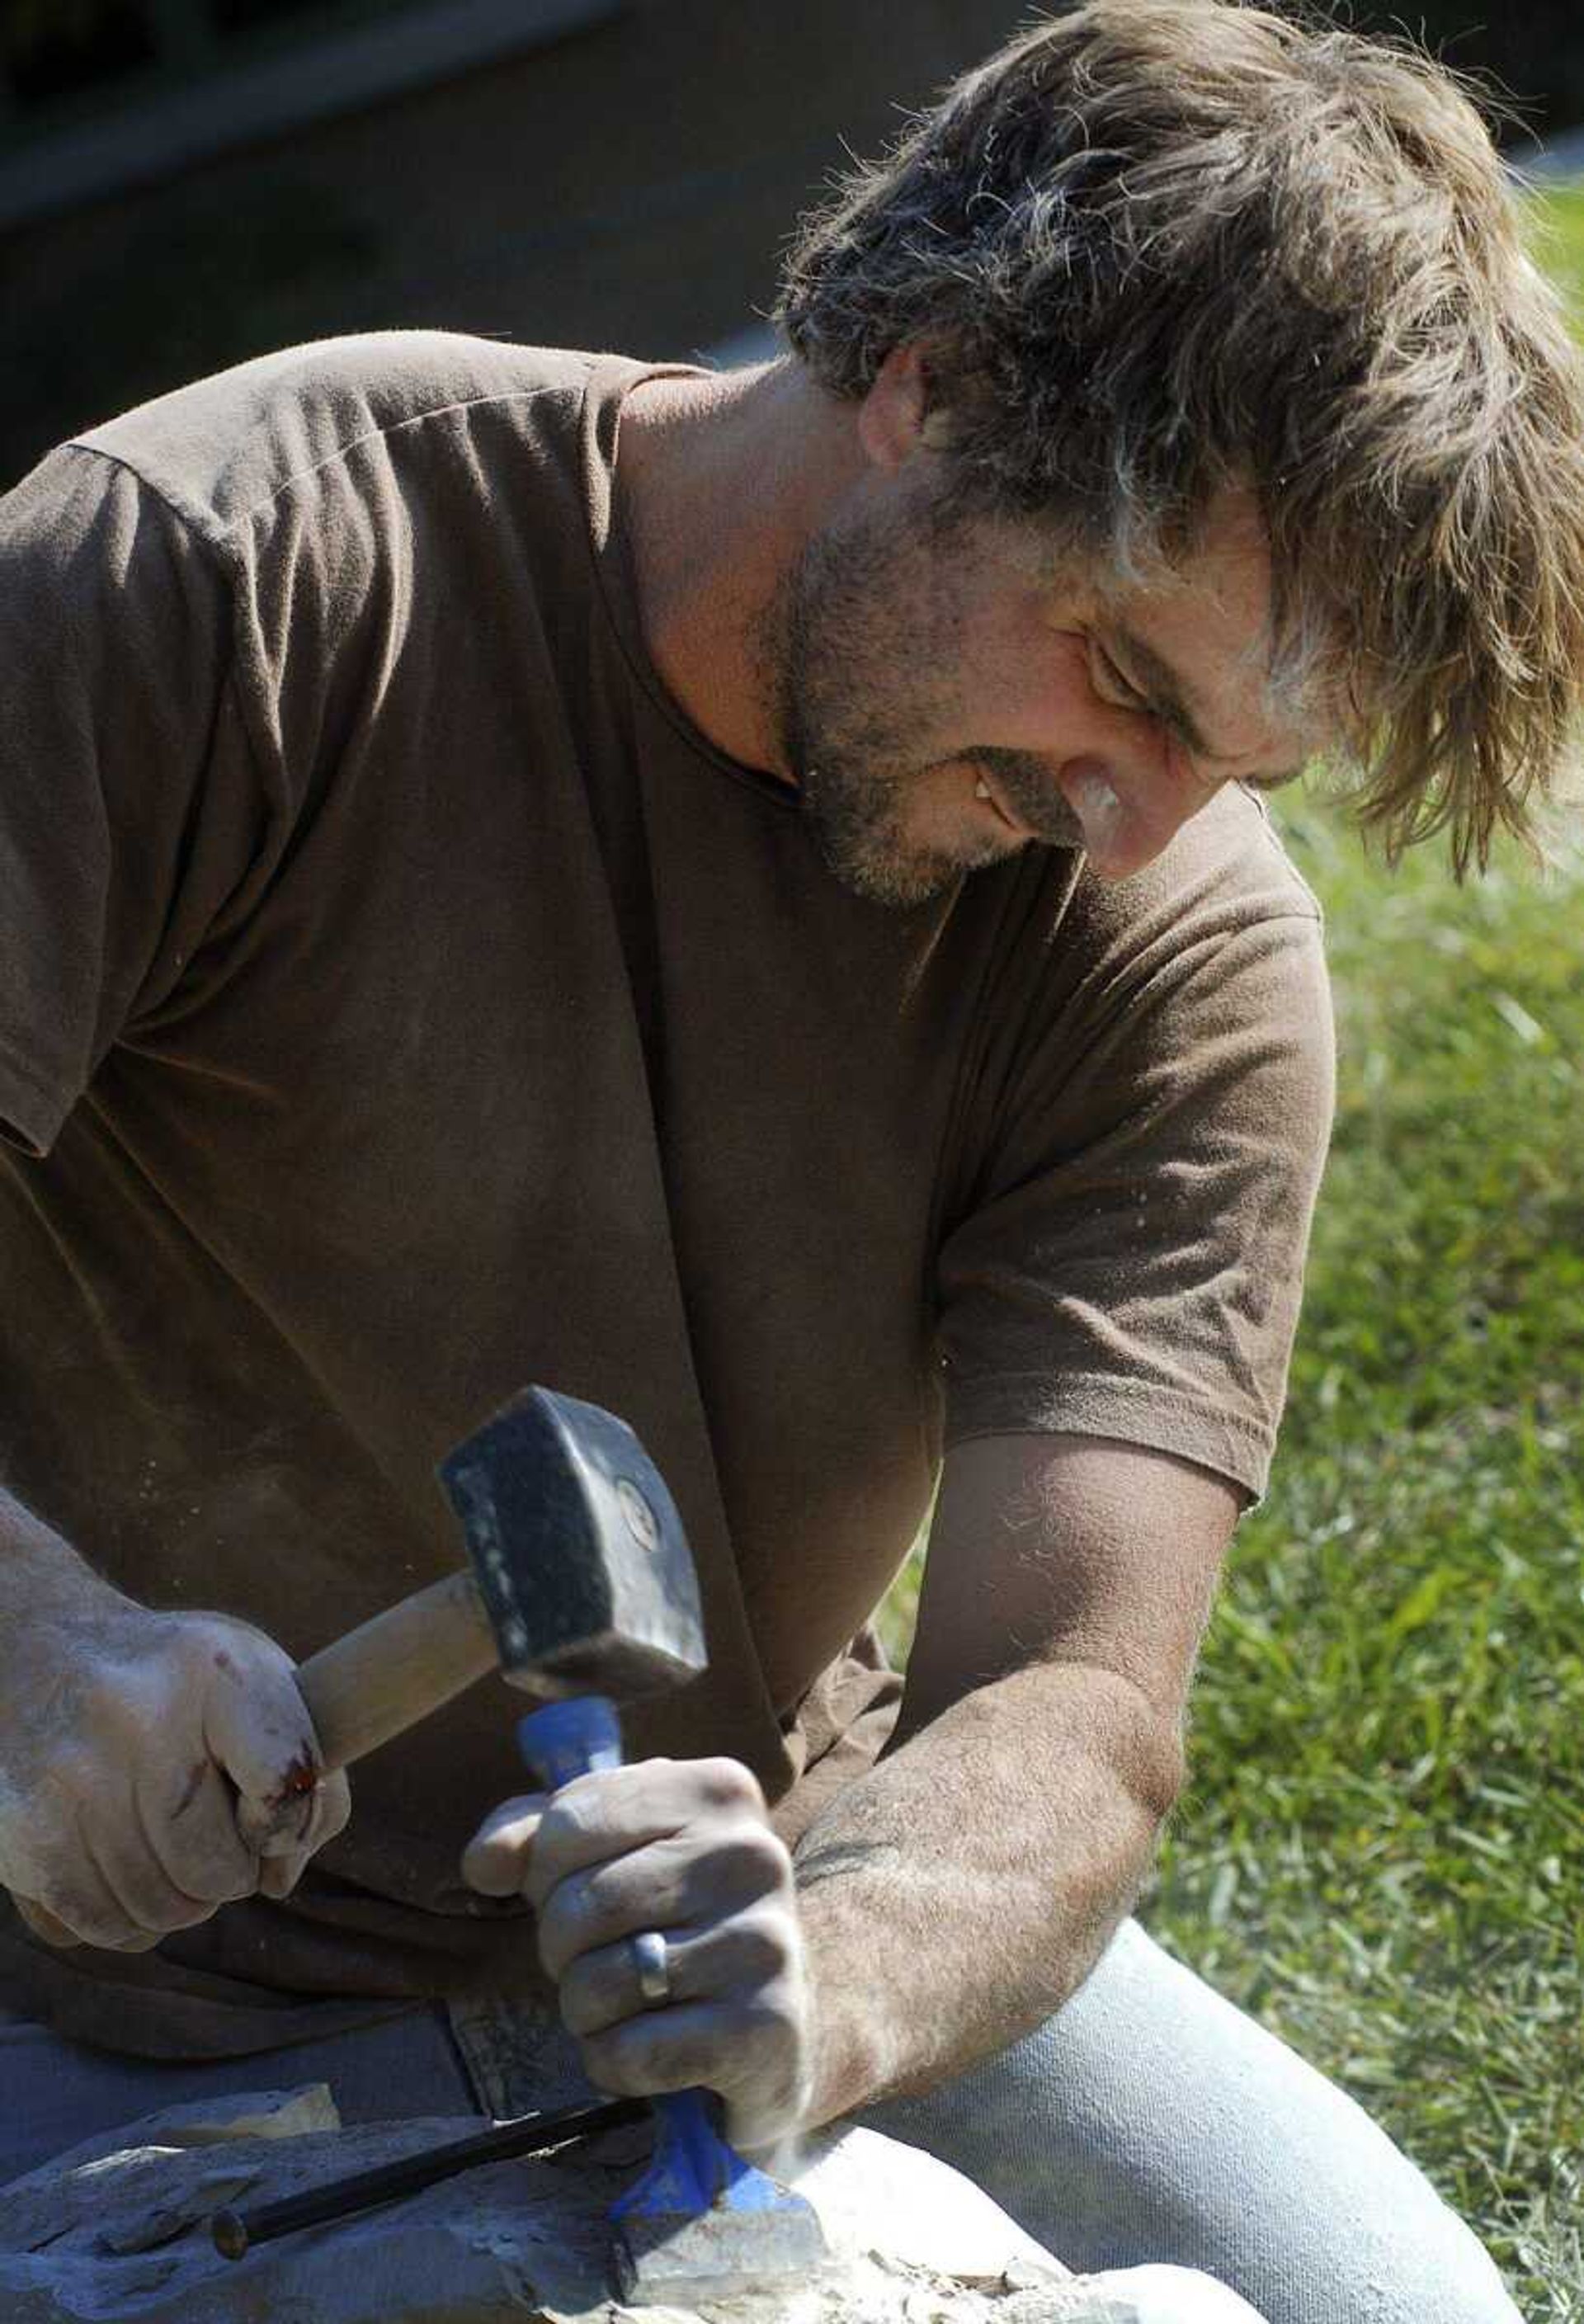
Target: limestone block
{"points": [[115, 2232]]}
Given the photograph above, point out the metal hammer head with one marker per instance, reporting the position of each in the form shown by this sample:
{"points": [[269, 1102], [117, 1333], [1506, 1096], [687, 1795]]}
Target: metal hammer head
{"points": [[577, 1550]]}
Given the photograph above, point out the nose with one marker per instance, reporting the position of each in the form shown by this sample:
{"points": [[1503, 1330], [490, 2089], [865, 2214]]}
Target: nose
{"points": [[1131, 805]]}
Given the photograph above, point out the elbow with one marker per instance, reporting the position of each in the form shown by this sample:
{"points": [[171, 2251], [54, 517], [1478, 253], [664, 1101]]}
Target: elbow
{"points": [[1162, 1779], [1153, 1762]]}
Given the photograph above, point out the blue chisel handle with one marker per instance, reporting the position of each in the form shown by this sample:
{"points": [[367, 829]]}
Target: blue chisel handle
{"points": [[693, 2166], [560, 1740]]}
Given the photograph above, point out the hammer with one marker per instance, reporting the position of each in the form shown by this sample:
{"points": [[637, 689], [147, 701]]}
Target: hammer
{"points": [[580, 1578]]}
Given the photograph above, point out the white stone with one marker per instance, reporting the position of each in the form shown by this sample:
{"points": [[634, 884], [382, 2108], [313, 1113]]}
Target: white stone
{"points": [[115, 2232], [1162, 2295], [870, 2190]]}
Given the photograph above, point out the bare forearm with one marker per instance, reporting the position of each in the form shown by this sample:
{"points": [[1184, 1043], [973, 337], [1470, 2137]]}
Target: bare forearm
{"points": [[954, 1897]]}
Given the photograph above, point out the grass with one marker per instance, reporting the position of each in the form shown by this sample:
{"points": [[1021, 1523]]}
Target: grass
{"points": [[1381, 1852]]}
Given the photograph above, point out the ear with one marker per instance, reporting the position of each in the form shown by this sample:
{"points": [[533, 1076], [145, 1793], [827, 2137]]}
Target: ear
{"points": [[896, 419]]}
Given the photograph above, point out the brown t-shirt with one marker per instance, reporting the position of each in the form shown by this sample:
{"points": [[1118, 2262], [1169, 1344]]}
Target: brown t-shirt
{"points": [[402, 1002]]}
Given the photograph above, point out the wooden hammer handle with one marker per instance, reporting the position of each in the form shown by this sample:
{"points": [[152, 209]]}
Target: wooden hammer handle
{"points": [[394, 1670]]}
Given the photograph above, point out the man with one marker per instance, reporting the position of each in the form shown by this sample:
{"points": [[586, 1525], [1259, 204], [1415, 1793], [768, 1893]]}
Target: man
{"points": [[746, 899]]}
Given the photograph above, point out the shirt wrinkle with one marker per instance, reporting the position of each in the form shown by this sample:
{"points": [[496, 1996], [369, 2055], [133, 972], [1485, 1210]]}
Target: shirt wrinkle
{"points": [[690, 1130]]}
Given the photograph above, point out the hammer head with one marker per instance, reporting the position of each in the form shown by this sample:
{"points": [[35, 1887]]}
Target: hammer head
{"points": [[577, 1550]]}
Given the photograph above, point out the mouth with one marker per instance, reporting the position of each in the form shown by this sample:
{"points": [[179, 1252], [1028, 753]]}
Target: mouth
{"points": [[987, 795], [1054, 822]]}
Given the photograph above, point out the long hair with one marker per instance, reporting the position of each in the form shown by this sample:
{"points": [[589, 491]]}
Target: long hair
{"points": [[1155, 248]]}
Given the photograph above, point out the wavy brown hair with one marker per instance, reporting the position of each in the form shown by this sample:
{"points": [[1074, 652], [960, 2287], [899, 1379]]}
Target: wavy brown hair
{"points": [[1154, 248]]}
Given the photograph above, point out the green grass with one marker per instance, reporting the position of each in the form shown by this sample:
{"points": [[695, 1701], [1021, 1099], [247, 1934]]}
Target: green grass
{"points": [[1381, 1851]]}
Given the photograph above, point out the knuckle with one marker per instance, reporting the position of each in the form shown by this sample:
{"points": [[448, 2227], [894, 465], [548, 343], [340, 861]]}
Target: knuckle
{"points": [[226, 1644], [727, 1783], [769, 1853], [601, 1897], [768, 1946], [109, 1703], [747, 1862], [201, 1651], [566, 1837], [584, 2000], [565, 1821], [640, 1775], [770, 2019], [189, 1642], [578, 1810], [571, 1921]]}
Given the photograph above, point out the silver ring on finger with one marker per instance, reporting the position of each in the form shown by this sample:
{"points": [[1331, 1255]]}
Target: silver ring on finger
{"points": [[651, 1965]]}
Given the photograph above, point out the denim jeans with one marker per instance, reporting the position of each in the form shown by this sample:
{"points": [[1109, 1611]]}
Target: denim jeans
{"points": [[1148, 2122]]}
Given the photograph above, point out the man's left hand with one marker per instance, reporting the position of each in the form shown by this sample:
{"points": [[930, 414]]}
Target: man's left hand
{"points": [[681, 1849]]}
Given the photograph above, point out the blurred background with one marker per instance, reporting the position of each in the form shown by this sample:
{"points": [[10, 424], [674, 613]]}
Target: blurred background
{"points": [[187, 183]]}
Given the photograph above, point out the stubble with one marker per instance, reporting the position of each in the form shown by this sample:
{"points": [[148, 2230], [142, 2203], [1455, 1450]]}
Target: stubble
{"points": [[857, 649]]}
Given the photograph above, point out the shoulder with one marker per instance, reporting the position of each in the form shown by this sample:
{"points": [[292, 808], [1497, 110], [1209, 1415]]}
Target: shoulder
{"points": [[221, 448], [1223, 920], [1203, 975], [1226, 868]]}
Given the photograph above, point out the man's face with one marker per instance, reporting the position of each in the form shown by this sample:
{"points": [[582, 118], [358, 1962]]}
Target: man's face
{"points": [[944, 692]]}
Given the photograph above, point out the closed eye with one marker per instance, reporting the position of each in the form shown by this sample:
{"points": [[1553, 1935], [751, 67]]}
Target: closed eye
{"points": [[1164, 703], [1112, 684]]}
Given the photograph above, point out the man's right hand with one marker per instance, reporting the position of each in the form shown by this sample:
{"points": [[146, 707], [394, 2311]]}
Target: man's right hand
{"points": [[153, 1767]]}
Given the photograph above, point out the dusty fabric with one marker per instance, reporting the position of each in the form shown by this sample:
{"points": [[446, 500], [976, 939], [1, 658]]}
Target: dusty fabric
{"points": [[401, 1002]]}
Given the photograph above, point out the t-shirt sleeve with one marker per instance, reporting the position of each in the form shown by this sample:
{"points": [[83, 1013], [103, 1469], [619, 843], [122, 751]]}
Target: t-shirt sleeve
{"points": [[113, 628], [1132, 1262]]}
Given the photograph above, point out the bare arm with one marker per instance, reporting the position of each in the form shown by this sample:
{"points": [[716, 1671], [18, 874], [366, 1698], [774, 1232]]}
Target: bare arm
{"points": [[954, 1897]]}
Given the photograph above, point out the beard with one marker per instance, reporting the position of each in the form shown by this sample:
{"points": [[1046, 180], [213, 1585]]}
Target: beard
{"points": [[858, 645]]}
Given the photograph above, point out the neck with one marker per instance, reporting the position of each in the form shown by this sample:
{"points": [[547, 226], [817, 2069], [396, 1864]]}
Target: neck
{"points": [[722, 480]]}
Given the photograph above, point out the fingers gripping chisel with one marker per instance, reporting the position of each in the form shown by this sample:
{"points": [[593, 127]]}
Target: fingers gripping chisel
{"points": [[580, 1586]]}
